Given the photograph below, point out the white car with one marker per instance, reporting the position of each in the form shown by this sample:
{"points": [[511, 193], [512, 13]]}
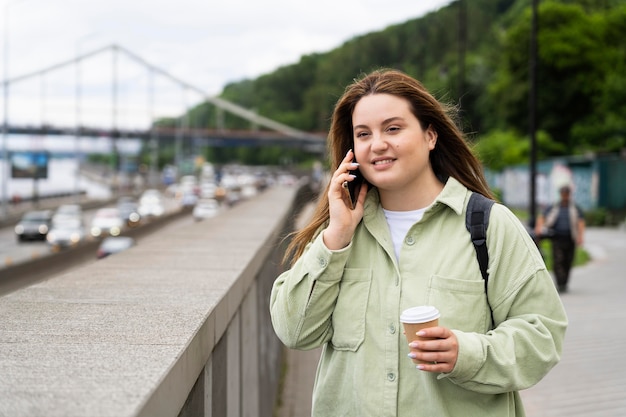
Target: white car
{"points": [[151, 204], [107, 221], [114, 244], [71, 210], [66, 231], [188, 200], [206, 208]]}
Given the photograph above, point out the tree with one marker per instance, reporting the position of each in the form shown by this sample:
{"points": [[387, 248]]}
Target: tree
{"points": [[501, 148], [577, 74]]}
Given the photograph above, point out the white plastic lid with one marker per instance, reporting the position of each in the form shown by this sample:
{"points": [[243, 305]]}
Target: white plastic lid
{"points": [[419, 314]]}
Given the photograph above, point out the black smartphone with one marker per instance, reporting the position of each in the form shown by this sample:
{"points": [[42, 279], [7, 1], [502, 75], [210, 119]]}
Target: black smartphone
{"points": [[354, 187]]}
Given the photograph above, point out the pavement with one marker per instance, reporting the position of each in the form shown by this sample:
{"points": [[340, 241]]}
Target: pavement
{"points": [[589, 381]]}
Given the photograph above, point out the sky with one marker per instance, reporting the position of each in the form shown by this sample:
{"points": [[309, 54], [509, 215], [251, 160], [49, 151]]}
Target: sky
{"points": [[205, 43]]}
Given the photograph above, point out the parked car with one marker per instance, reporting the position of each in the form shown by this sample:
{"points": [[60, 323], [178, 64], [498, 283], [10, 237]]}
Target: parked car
{"points": [[34, 225], [129, 210], [114, 244], [106, 221], [205, 208], [66, 231]]}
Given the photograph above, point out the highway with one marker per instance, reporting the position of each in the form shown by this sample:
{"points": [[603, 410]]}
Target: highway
{"points": [[24, 263], [12, 251]]}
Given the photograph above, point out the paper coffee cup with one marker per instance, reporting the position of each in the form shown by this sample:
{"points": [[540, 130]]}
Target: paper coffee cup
{"points": [[417, 318]]}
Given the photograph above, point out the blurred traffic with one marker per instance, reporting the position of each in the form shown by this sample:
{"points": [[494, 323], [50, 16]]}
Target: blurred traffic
{"points": [[34, 225], [110, 221], [114, 244], [106, 221], [129, 210], [66, 232]]}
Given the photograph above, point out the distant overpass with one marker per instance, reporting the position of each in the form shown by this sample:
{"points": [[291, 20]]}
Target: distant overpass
{"points": [[315, 143], [273, 131]]}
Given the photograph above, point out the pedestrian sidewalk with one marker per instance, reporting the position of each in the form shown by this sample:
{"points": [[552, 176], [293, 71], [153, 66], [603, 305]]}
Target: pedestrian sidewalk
{"points": [[590, 380]]}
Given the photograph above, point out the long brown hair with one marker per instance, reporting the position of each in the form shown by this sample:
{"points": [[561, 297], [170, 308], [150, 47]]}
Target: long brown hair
{"points": [[452, 157]]}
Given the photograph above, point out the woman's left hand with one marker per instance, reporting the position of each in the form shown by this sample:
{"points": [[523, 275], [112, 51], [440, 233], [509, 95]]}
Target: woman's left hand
{"points": [[436, 355]]}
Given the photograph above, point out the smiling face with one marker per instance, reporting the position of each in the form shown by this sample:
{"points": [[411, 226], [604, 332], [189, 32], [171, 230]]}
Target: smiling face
{"points": [[392, 148]]}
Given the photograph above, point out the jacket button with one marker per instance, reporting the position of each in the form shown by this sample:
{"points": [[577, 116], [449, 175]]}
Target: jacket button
{"points": [[410, 240], [391, 376], [392, 328], [323, 262]]}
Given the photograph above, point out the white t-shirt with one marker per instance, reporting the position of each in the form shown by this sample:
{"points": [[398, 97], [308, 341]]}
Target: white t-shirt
{"points": [[399, 223]]}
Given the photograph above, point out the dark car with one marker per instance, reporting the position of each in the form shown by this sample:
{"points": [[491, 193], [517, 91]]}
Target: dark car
{"points": [[114, 244], [34, 225]]}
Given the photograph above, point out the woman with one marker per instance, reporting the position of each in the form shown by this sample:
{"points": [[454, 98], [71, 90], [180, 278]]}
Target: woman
{"points": [[405, 244]]}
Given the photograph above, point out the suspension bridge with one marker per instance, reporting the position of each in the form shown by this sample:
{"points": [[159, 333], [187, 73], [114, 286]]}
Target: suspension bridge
{"points": [[113, 93], [124, 90]]}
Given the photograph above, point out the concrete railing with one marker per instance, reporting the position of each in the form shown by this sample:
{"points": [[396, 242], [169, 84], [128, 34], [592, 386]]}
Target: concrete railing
{"points": [[177, 326]]}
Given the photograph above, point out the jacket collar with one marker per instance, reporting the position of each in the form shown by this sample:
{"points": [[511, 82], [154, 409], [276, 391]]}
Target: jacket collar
{"points": [[453, 195]]}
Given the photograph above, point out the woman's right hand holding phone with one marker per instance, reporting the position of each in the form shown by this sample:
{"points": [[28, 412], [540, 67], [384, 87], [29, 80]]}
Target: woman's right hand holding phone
{"points": [[343, 219]]}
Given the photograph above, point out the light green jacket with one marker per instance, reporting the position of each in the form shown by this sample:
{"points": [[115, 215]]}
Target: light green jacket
{"points": [[350, 302]]}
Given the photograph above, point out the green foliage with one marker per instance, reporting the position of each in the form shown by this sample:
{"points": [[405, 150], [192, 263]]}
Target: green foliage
{"points": [[596, 217], [581, 76], [262, 155], [499, 149], [580, 99], [601, 216], [581, 256]]}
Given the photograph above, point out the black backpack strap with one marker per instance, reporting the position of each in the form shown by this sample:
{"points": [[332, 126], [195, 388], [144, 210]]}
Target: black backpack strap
{"points": [[476, 222]]}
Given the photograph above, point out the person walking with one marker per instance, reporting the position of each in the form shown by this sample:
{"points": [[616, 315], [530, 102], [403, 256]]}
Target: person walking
{"points": [[402, 242], [564, 223]]}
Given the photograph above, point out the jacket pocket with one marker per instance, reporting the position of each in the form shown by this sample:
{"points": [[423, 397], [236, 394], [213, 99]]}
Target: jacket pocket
{"points": [[461, 303], [349, 314]]}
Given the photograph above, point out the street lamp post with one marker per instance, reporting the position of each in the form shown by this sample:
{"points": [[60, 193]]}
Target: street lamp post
{"points": [[462, 47], [532, 112], [5, 135], [78, 115], [5, 124], [154, 143], [115, 132]]}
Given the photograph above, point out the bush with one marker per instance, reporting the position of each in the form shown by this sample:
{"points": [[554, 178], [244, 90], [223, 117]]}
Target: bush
{"points": [[596, 217]]}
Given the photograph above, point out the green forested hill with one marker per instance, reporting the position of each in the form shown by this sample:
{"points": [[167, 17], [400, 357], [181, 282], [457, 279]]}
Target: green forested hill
{"points": [[474, 54]]}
